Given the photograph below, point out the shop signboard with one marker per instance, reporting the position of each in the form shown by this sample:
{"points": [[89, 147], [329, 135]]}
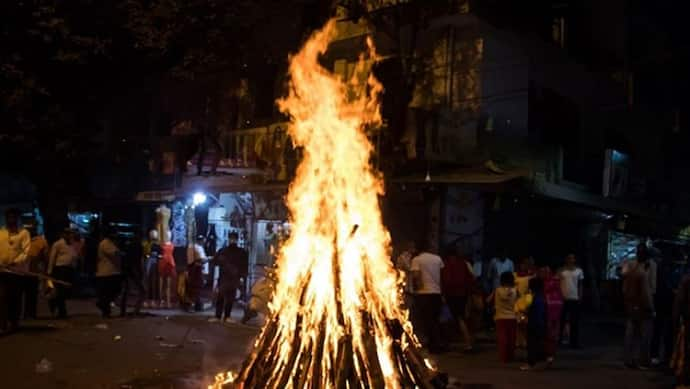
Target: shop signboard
{"points": [[156, 196], [616, 174]]}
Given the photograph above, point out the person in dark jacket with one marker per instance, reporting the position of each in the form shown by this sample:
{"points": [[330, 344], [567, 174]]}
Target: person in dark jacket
{"points": [[536, 324], [457, 281], [681, 319], [639, 309], [133, 274], [233, 263], [670, 273]]}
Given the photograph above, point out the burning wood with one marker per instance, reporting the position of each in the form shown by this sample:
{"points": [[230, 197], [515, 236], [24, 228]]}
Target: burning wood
{"points": [[337, 318]]}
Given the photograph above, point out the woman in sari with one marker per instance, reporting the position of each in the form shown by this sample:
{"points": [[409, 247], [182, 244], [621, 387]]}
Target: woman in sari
{"points": [[554, 304]]}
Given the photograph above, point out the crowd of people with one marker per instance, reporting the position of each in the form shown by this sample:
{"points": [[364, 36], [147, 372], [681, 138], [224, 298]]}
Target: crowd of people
{"points": [[30, 266], [539, 308]]}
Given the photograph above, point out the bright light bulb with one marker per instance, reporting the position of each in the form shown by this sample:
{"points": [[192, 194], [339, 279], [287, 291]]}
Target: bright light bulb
{"points": [[199, 198]]}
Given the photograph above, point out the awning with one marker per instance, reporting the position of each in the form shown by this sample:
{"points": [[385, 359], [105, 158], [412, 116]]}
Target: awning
{"points": [[227, 184], [470, 176]]}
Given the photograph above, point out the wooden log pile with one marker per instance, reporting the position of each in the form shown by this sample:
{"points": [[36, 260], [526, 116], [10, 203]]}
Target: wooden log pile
{"points": [[310, 363]]}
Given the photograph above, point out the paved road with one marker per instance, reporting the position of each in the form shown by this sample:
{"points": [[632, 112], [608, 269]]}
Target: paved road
{"points": [[185, 351]]}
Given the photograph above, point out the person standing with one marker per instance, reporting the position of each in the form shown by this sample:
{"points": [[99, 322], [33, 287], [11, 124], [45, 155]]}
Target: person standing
{"points": [[457, 282], [571, 277], [403, 263], [681, 318], [61, 263], [232, 262], [153, 255], [108, 274], [426, 273], [261, 294], [536, 324], [639, 309], [504, 298], [554, 307], [669, 275], [196, 258], [37, 261], [498, 266], [14, 248]]}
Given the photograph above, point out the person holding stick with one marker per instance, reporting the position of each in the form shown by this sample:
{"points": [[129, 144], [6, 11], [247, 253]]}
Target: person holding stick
{"points": [[14, 248], [61, 266]]}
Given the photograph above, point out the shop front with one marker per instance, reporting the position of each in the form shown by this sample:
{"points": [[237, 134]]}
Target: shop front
{"points": [[214, 207]]}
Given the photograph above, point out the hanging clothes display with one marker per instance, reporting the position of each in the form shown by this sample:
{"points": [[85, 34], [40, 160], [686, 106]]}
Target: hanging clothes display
{"points": [[179, 237], [190, 224], [210, 246]]}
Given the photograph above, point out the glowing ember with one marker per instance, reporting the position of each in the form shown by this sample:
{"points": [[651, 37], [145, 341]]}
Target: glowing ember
{"points": [[337, 319]]}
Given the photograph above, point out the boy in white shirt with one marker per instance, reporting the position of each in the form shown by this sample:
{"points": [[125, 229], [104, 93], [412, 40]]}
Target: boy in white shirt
{"points": [[571, 288]]}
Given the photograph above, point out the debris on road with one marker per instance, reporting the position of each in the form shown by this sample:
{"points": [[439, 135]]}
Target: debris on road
{"points": [[117, 338], [44, 366], [159, 337], [101, 326], [170, 345], [197, 341]]}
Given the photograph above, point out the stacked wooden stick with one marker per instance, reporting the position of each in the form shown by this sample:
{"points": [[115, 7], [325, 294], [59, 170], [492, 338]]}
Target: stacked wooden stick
{"points": [[344, 366]]}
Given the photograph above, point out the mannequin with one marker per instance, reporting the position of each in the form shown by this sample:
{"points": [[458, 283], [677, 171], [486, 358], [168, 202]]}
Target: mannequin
{"points": [[151, 268], [166, 271], [163, 220]]}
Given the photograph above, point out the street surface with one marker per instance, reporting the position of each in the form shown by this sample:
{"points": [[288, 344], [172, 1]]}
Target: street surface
{"points": [[173, 350]]}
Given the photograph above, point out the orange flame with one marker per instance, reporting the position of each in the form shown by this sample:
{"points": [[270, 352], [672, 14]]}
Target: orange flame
{"points": [[336, 290]]}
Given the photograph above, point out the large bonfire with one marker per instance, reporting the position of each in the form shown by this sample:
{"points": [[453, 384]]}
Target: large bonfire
{"points": [[337, 318]]}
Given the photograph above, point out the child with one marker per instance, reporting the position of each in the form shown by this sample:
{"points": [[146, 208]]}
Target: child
{"points": [[504, 298], [536, 325]]}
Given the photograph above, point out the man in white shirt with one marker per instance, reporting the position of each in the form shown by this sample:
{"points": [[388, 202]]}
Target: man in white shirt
{"points": [[14, 249], [571, 277], [426, 273], [498, 266]]}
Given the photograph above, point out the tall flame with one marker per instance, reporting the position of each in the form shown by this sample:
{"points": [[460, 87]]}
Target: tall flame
{"points": [[337, 293]]}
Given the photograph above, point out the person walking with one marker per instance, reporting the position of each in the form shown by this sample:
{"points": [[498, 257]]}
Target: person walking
{"points": [[457, 283], [61, 266], [132, 269], [426, 273], [108, 274], [536, 325], [571, 277], [14, 248], [504, 298], [232, 262], [639, 309], [37, 262]]}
